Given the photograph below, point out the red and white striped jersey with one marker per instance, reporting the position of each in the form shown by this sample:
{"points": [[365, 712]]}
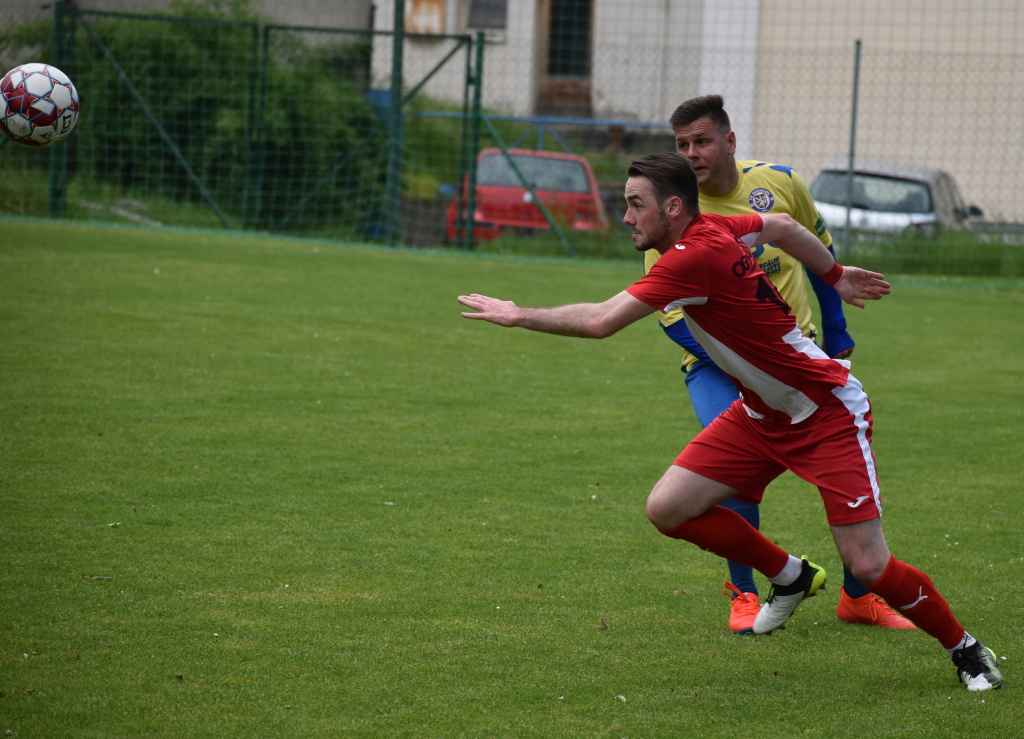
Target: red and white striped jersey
{"points": [[738, 317]]}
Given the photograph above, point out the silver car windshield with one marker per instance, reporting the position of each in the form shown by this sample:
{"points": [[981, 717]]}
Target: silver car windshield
{"points": [[873, 192]]}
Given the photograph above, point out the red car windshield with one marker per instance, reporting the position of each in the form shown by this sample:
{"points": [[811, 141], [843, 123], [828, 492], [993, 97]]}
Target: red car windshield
{"points": [[543, 173]]}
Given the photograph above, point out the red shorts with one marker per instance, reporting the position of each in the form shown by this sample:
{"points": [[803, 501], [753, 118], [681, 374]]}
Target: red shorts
{"points": [[831, 449]]}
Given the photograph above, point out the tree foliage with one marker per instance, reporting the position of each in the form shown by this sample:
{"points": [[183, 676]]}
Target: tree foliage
{"points": [[204, 103]]}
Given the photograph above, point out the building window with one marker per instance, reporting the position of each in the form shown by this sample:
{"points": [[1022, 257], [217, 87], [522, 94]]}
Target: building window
{"points": [[569, 44], [424, 16], [488, 14]]}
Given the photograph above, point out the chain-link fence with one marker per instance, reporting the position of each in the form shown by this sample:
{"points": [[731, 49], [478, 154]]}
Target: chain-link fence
{"points": [[206, 122], [212, 115]]}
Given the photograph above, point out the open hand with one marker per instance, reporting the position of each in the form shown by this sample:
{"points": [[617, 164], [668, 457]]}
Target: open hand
{"points": [[501, 312], [857, 285]]}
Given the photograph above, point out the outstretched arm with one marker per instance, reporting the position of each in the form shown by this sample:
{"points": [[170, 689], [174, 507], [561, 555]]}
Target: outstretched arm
{"points": [[853, 284], [585, 320]]}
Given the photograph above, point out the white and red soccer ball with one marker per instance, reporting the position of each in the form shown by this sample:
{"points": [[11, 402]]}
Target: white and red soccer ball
{"points": [[38, 105]]}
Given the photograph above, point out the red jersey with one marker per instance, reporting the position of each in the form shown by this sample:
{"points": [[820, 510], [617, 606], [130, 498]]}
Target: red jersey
{"points": [[738, 317]]}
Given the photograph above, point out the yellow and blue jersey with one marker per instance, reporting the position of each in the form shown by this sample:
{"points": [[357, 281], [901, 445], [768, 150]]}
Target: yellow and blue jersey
{"points": [[771, 188]]}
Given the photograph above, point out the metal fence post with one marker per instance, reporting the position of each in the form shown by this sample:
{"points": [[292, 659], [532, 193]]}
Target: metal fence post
{"points": [[58, 154], [394, 178], [474, 141], [853, 146], [253, 130]]}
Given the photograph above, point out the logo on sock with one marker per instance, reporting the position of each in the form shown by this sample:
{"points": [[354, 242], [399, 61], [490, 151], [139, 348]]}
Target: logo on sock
{"points": [[920, 597], [860, 500]]}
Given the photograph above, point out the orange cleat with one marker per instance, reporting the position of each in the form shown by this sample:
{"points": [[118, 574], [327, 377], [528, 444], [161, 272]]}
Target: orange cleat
{"points": [[871, 610], [743, 609]]}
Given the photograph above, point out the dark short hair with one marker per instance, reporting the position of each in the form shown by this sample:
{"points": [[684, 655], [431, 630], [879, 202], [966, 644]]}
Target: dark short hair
{"points": [[708, 106], [670, 174]]}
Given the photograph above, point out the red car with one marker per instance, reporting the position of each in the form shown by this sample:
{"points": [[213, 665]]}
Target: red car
{"points": [[564, 182]]}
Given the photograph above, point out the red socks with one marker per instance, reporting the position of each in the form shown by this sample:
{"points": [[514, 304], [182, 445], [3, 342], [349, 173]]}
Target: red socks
{"points": [[906, 589], [911, 593], [725, 533]]}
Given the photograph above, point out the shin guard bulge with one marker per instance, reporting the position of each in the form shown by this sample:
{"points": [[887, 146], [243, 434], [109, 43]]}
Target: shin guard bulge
{"points": [[911, 593], [725, 533]]}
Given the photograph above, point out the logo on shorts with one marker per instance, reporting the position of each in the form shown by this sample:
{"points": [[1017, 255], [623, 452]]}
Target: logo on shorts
{"points": [[762, 200], [860, 500]]}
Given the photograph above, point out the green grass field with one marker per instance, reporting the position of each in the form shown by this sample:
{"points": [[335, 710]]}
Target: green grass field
{"points": [[255, 487]]}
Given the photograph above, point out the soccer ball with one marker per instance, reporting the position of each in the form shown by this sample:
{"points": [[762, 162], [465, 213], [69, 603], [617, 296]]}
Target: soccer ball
{"points": [[38, 105]]}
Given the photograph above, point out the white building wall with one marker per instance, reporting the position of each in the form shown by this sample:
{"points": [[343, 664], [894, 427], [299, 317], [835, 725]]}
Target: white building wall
{"points": [[728, 64], [509, 61], [644, 61]]}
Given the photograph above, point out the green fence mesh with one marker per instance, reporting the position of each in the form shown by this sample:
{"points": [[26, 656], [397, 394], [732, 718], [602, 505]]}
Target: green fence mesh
{"points": [[210, 116], [206, 123]]}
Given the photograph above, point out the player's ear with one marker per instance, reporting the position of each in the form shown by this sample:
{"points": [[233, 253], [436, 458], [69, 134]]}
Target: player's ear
{"points": [[730, 141], [674, 206]]}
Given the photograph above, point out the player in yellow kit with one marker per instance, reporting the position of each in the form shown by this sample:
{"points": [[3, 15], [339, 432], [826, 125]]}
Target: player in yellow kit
{"points": [[727, 187]]}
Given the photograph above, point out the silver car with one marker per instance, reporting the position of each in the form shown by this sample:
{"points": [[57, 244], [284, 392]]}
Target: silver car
{"points": [[890, 197]]}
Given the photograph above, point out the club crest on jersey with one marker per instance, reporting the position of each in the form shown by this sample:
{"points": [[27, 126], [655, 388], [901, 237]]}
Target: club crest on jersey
{"points": [[762, 200]]}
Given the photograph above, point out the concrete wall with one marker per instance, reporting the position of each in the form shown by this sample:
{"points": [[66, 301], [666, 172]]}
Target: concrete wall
{"points": [[940, 85]]}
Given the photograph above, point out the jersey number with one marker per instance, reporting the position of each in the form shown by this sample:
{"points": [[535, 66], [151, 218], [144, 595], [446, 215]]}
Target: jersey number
{"points": [[767, 293]]}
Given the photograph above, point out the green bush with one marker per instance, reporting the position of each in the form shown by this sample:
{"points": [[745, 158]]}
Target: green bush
{"points": [[321, 144], [185, 108]]}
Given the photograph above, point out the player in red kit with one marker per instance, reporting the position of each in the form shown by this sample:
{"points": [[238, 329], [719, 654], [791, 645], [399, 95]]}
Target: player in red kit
{"points": [[798, 409]]}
